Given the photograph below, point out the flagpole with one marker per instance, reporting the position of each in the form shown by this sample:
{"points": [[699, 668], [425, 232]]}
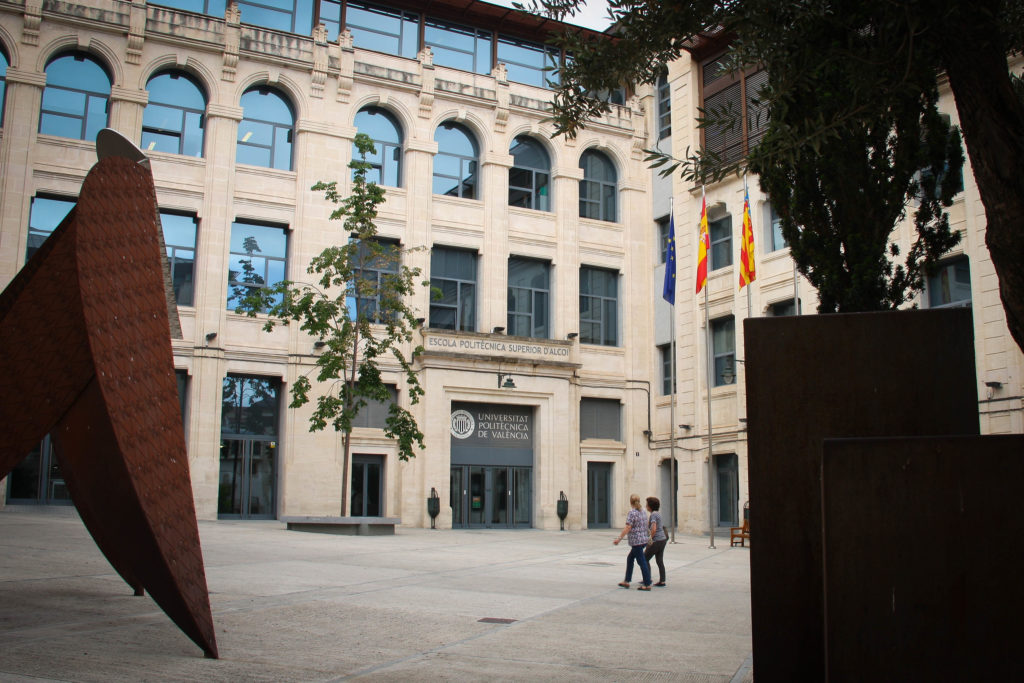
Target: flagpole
{"points": [[711, 465], [672, 404], [746, 198]]}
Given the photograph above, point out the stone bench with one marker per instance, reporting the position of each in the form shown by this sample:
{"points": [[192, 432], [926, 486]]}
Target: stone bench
{"points": [[349, 526]]}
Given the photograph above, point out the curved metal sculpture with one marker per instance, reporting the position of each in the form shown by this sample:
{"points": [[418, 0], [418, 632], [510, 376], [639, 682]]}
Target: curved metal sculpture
{"points": [[85, 352]]}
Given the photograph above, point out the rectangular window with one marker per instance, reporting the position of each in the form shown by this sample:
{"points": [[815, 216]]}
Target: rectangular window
{"points": [[249, 405], [733, 99], [180, 242], [290, 16], [453, 275], [599, 306], [781, 308], [773, 228], [373, 268], [529, 63], [529, 291], [662, 224], [665, 355], [182, 378], [951, 284], [44, 217], [458, 47], [600, 418], [374, 415], [721, 242], [257, 259], [723, 335], [381, 29], [213, 8], [664, 107]]}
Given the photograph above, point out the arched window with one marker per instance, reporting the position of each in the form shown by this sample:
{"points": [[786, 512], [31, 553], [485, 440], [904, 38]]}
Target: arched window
{"points": [[455, 164], [383, 129], [598, 187], [75, 97], [266, 130], [173, 120], [530, 175], [4, 63]]}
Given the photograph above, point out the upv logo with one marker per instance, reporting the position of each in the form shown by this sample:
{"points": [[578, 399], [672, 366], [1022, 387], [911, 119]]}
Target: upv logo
{"points": [[463, 424]]}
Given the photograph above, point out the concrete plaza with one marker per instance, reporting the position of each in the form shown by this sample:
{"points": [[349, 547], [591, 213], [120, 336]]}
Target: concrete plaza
{"points": [[294, 606]]}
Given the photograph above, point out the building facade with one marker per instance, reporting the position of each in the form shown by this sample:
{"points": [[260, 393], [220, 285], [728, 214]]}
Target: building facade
{"points": [[547, 356]]}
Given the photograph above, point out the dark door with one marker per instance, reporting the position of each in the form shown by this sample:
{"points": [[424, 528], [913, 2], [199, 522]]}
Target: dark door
{"points": [[599, 493], [728, 489], [248, 479], [367, 486], [37, 478], [491, 497]]}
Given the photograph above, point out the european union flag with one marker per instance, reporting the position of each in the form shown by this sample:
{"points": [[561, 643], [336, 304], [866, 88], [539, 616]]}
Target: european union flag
{"points": [[669, 291]]}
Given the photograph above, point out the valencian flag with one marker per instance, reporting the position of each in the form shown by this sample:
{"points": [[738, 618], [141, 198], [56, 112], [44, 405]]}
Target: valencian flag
{"points": [[704, 244], [747, 270], [669, 290]]}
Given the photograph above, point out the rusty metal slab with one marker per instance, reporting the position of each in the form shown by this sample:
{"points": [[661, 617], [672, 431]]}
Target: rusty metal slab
{"points": [[809, 378]]}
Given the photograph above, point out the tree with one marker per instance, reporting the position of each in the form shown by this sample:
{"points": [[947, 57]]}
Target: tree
{"points": [[357, 311], [885, 54]]}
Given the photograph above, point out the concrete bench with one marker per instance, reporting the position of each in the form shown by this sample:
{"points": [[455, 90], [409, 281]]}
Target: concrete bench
{"points": [[349, 526]]}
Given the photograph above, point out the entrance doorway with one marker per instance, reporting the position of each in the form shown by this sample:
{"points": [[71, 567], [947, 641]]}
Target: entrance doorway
{"points": [[599, 494], [367, 494], [37, 478], [247, 487], [491, 497], [728, 489]]}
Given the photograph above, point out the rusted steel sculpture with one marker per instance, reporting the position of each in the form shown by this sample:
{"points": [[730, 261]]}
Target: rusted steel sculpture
{"points": [[85, 353]]}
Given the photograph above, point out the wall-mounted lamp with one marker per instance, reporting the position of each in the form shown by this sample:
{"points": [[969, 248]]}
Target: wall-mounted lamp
{"points": [[509, 384], [210, 336], [686, 427], [498, 330], [572, 335], [420, 321], [647, 433], [994, 384], [319, 344]]}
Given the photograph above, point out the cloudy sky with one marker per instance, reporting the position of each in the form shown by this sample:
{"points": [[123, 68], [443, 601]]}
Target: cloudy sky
{"points": [[594, 16]]}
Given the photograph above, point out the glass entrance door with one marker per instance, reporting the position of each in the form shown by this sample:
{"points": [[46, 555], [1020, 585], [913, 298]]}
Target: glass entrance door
{"points": [[728, 486], [248, 479], [37, 478], [599, 493], [367, 486], [490, 497]]}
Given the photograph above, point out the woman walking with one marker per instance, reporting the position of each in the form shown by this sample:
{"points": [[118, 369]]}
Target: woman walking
{"points": [[639, 535], [659, 538]]}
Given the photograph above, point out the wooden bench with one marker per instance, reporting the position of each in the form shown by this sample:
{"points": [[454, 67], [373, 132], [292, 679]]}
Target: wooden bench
{"points": [[739, 534], [348, 526]]}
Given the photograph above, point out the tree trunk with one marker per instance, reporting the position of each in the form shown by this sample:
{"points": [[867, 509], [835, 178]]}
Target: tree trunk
{"points": [[346, 442], [992, 121]]}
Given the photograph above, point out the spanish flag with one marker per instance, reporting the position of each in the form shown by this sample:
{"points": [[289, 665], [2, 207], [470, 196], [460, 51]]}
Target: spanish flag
{"points": [[747, 270], [703, 245]]}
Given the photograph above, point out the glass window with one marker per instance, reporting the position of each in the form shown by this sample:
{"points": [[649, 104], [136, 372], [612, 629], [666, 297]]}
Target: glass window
{"points": [[599, 306], [723, 335], [455, 164], [4, 63], [382, 29], [600, 418], [44, 217], [372, 272], [774, 229], [735, 95], [529, 291], [529, 63], [530, 176], [265, 132], [951, 284], [721, 242], [180, 241], [214, 8], [780, 308], [258, 258], [598, 187], [173, 120], [292, 16], [458, 47], [453, 274], [665, 355], [75, 97], [249, 405], [664, 107], [374, 415], [662, 224], [957, 180], [386, 161]]}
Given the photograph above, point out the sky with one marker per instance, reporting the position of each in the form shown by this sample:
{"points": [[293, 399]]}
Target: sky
{"points": [[594, 15]]}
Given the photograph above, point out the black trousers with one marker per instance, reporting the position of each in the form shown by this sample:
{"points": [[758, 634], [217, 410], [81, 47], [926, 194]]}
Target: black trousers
{"points": [[657, 550]]}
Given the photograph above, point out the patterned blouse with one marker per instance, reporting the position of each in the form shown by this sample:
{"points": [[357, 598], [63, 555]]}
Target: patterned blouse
{"points": [[639, 534]]}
